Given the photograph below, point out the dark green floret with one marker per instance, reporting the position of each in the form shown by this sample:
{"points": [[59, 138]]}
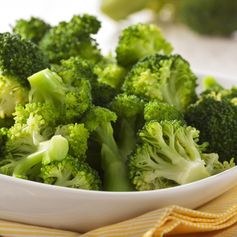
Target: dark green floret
{"points": [[138, 41], [20, 58], [33, 29], [72, 38], [215, 115], [164, 78]]}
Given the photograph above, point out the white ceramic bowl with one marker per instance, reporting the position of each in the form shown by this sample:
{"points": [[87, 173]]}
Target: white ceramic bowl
{"points": [[82, 210]]}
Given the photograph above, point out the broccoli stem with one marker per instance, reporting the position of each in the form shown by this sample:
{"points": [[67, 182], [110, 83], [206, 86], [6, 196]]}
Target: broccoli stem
{"points": [[54, 149], [127, 137], [115, 169]]}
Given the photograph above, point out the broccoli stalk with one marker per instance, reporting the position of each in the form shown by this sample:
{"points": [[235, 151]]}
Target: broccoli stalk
{"points": [[54, 149], [129, 109], [98, 122]]}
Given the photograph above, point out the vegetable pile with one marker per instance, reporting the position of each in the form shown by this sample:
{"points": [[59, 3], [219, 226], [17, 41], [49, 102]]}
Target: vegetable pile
{"points": [[73, 117]]}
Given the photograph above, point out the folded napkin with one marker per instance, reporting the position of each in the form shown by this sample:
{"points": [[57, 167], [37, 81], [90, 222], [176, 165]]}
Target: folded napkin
{"points": [[217, 218]]}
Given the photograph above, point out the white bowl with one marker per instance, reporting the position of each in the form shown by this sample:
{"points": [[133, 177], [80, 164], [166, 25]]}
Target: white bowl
{"points": [[82, 210]]}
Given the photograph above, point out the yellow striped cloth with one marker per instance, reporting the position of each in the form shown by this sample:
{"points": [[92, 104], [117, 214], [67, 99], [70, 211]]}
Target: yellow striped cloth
{"points": [[217, 218]]}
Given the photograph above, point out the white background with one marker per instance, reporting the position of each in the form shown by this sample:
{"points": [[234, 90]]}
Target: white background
{"points": [[216, 56]]}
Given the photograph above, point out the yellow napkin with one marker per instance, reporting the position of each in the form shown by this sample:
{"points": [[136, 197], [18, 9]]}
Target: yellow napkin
{"points": [[217, 218]]}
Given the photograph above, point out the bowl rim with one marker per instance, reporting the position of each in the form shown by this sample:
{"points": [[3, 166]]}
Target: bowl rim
{"points": [[112, 193]]}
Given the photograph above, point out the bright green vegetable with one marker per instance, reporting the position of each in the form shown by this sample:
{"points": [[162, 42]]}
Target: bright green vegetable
{"points": [[70, 101], [215, 115], [169, 151], [138, 41], [98, 122], [33, 29], [72, 38], [165, 78]]}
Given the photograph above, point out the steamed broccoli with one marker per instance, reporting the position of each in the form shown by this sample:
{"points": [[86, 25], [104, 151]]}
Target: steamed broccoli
{"points": [[71, 173], [47, 151], [159, 111], [110, 73], [98, 121], [20, 58], [129, 109], [76, 69], [70, 101], [164, 78], [72, 38], [77, 136], [215, 115], [169, 152], [33, 29], [138, 41], [12, 93], [212, 17]]}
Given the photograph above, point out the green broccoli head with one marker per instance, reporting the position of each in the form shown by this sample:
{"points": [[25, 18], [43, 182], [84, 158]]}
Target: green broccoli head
{"points": [[138, 41], [71, 173], [212, 17], [70, 101], [155, 110], [75, 69], [77, 136], [215, 115], [33, 29], [29, 165], [20, 58], [110, 73], [169, 150], [72, 38], [34, 123], [165, 78], [12, 93]]}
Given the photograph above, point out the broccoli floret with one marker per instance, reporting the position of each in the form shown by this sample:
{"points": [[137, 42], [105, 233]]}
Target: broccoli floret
{"points": [[70, 101], [98, 121], [75, 69], [138, 41], [20, 58], [165, 78], [129, 109], [212, 17], [72, 38], [215, 115], [159, 111], [77, 136], [33, 29], [12, 93], [34, 123], [47, 151], [169, 150], [71, 173], [110, 73]]}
